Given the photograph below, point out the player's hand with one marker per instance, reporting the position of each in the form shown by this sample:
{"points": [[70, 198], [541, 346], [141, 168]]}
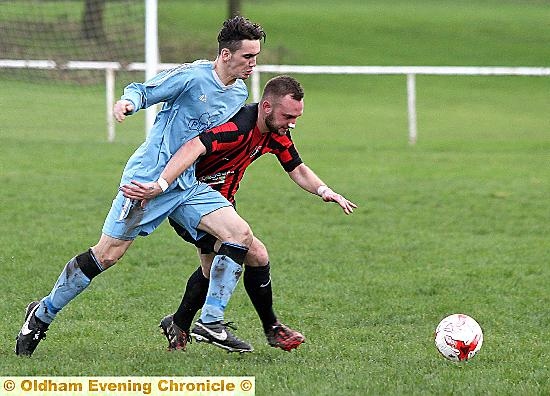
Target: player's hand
{"points": [[330, 196], [141, 191], [121, 108]]}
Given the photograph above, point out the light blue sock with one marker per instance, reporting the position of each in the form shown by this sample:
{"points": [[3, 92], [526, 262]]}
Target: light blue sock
{"points": [[70, 284], [224, 275]]}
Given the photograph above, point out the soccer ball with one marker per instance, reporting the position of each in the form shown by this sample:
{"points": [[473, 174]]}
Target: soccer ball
{"points": [[458, 337]]}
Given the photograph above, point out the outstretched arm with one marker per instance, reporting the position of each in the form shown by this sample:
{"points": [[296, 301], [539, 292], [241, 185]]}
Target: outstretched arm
{"points": [[180, 161], [303, 176]]}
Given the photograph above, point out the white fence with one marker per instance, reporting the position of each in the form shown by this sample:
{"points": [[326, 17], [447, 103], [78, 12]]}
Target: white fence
{"points": [[409, 71]]}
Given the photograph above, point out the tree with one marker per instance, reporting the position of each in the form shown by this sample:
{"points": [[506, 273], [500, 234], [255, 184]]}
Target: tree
{"points": [[234, 7], [92, 20]]}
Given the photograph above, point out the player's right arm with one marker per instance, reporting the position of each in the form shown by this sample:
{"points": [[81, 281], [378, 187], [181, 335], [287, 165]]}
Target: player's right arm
{"points": [[183, 159], [205, 143], [164, 87], [121, 108]]}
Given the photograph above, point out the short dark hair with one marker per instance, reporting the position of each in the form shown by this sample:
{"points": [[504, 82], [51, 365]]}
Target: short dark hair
{"points": [[237, 29], [281, 86]]}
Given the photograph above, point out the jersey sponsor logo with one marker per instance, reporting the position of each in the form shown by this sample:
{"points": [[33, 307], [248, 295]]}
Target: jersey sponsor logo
{"points": [[255, 152], [201, 124], [216, 178]]}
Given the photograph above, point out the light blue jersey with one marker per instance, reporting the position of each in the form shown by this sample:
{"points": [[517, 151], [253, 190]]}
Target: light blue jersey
{"points": [[194, 100]]}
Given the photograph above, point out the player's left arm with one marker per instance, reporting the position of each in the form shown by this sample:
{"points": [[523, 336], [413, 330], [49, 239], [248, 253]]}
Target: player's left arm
{"points": [[180, 161], [303, 176]]}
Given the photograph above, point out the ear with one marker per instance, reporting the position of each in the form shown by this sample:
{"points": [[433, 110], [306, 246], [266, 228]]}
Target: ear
{"points": [[225, 54], [266, 106]]}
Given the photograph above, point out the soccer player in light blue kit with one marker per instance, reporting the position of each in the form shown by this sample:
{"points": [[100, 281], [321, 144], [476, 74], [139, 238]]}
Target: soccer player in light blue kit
{"points": [[196, 97]]}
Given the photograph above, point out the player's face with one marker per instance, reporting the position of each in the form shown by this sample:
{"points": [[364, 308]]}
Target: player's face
{"points": [[283, 115], [241, 63]]}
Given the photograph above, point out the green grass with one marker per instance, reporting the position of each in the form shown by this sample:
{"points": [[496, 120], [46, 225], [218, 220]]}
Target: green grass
{"points": [[457, 223]]}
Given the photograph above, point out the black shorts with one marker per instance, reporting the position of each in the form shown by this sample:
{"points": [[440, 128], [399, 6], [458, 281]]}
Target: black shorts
{"points": [[205, 244]]}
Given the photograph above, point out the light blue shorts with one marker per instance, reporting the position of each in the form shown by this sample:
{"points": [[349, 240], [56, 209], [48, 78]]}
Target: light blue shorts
{"points": [[127, 219]]}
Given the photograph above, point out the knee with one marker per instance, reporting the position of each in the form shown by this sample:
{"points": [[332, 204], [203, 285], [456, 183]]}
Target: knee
{"points": [[206, 263], [109, 250], [106, 258], [107, 261], [257, 254]]}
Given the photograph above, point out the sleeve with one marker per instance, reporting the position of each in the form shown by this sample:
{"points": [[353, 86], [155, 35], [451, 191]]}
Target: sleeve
{"points": [[286, 153], [164, 87], [206, 139], [223, 137], [231, 134]]}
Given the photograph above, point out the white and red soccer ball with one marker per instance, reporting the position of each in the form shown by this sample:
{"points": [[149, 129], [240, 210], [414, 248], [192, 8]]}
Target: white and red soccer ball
{"points": [[458, 337]]}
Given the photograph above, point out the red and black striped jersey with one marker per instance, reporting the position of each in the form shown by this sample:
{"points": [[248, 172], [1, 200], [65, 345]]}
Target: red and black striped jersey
{"points": [[233, 146]]}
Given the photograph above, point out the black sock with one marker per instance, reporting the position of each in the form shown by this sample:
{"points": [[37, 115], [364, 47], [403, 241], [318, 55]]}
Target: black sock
{"points": [[193, 300], [88, 264], [257, 282], [235, 252]]}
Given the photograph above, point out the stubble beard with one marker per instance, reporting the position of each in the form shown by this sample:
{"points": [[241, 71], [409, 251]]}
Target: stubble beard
{"points": [[271, 126]]}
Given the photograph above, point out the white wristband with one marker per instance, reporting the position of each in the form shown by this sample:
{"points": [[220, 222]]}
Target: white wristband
{"points": [[163, 184], [322, 189]]}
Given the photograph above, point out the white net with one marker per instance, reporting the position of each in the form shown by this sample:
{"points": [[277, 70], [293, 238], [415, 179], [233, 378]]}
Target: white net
{"points": [[70, 30]]}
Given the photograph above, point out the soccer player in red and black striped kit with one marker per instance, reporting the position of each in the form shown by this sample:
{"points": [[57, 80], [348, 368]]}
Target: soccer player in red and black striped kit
{"points": [[225, 153]]}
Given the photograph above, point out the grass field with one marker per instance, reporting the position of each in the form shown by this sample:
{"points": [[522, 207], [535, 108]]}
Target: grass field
{"points": [[456, 223]]}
